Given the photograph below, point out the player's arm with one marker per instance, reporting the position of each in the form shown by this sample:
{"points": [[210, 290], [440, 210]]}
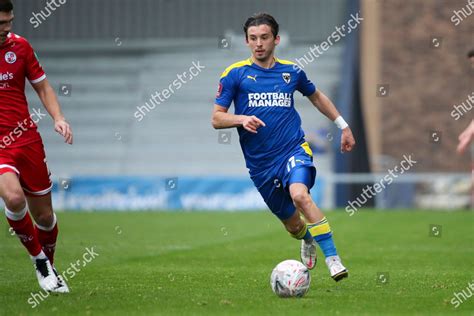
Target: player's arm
{"points": [[325, 106], [222, 119], [50, 102], [465, 138]]}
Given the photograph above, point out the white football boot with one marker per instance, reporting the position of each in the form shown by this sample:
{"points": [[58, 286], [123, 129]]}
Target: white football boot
{"points": [[336, 269], [308, 253], [62, 285], [44, 272]]}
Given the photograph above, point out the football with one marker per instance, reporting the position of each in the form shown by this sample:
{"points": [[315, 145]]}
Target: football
{"points": [[290, 278]]}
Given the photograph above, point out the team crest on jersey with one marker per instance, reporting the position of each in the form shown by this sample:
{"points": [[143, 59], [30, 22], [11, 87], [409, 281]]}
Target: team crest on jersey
{"points": [[10, 57], [286, 76]]}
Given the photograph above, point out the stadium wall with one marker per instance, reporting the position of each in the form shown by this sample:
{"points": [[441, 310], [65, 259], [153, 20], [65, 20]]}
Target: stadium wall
{"points": [[422, 46]]}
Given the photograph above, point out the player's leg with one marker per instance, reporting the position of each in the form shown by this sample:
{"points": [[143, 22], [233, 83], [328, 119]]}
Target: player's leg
{"points": [[281, 205], [36, 184], [317, 223], [16, 211], [298, 229], [41, 208], [301, 179]]}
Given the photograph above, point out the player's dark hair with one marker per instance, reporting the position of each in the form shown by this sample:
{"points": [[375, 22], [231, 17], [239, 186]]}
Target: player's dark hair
{"points": [[470, 54], [6, 6], [259, 19]]}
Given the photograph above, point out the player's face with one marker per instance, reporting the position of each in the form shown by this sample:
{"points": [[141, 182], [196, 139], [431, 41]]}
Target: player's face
{"points": [[261, 41], [6, 19]]}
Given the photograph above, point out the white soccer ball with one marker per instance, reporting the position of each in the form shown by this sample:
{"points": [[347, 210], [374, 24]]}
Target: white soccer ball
{"points": [[290, 278]]}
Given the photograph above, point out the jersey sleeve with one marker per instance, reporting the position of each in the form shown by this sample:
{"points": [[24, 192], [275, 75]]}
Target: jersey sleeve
{"points": [[226, 90], [34, 71], [305, 86]]}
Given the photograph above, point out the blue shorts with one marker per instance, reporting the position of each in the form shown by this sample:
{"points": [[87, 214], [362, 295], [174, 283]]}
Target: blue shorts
{"points": [[274, 184]]}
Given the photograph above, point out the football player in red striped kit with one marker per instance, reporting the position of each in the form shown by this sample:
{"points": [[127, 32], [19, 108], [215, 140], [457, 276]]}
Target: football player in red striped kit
{"points": [[25, 184]]}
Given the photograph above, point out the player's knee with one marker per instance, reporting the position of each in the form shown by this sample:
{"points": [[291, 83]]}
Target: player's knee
{"points": [[45, 219], [15, 200], [302, 200]]}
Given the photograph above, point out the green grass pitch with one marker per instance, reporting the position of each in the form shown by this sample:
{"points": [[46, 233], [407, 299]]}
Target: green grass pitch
{"points": [[219, 263]]}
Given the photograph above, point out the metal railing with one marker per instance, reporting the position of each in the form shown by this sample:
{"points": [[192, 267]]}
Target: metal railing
{"points": [[434, 190]]}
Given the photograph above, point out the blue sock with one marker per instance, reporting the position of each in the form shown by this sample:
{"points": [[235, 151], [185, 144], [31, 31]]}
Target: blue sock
{"points": [[307, 236], [321, 232]]}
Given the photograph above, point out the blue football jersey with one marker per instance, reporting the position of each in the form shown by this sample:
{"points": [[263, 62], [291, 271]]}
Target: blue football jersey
{"points": [[267, 94]]}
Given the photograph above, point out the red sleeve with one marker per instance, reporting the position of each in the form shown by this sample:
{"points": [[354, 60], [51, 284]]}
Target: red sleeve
{"points": [[34, 71]]}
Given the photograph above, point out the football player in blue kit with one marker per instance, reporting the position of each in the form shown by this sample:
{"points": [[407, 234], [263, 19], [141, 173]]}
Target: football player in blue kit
{"points": [[279, 160]]}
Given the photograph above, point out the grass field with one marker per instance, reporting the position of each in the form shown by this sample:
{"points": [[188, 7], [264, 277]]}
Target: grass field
{"points": [[219, 263]]}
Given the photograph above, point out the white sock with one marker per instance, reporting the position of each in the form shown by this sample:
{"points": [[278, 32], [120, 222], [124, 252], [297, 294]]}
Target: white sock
{"points": [[41, 255], [332, 258]]}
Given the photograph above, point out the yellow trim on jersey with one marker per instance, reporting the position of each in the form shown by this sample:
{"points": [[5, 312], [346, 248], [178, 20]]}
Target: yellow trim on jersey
{"points": [[307, 149], [246, 62], [284, 62]]}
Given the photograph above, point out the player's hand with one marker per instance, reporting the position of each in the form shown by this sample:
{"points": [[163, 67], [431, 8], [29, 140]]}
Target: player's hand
{"points": [[63, 128], [252, 123], [347, 140]]}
